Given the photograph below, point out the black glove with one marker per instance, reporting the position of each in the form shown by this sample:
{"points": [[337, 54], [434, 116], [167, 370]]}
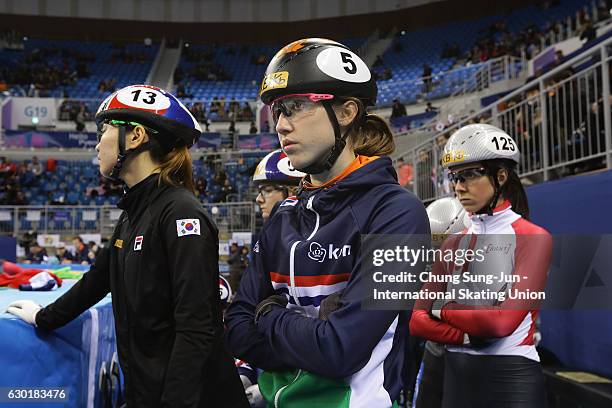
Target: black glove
{"points": [[266, 305], [330, 304], [478, 342]]}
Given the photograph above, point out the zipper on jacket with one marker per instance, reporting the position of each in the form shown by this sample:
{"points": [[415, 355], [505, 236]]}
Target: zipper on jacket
{"points": [[281, 389], [292, 288], [310, 207]]}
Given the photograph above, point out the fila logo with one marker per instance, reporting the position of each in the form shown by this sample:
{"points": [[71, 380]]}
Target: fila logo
{"points": [[289, 202], [318, 253], [138, 243]]}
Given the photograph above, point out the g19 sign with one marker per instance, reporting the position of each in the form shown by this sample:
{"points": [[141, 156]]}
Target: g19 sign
{"points": [[28, 111]]}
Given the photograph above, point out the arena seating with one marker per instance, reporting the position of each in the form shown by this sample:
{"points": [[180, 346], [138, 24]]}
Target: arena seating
{"points": [[425, 46], [103, 60], [73, 181]]}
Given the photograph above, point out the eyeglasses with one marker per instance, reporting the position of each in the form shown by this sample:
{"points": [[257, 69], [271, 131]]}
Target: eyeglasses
{"points": [[466, 175], [266, 191], [114, 122], [296, 104]]}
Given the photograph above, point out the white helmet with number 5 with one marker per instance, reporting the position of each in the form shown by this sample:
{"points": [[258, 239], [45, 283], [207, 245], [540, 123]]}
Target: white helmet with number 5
{"points": [[477, 143]]}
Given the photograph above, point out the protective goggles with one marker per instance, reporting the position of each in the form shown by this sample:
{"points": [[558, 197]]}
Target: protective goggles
{"points": [[114, 122], [467, 175], [296, 104], [266, 190]]}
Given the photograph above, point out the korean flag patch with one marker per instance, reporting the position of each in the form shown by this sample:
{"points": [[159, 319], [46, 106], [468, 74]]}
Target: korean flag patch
{"points": [[190, 226]]}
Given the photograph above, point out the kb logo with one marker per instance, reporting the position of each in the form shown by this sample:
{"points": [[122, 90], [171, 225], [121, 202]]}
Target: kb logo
{"points": [[319, 254]]}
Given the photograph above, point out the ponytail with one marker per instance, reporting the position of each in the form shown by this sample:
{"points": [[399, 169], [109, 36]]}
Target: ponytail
{"points": [[373, 137], [512, 190], [176, 167], [369, 134]]}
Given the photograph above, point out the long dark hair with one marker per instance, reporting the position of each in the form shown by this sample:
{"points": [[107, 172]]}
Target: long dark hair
{"points": [[512, 189], [176, 167], [370, 135]]}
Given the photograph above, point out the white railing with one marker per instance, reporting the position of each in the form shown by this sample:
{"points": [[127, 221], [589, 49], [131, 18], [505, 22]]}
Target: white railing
{"points": [[480, 78], [560, 121], [465, 79], [74, 220]]}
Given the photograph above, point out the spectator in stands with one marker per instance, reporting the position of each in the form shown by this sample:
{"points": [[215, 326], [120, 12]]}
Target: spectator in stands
{"points": [[588, 32], [63, 256], [79, 120], [220, 177], [20, 198], [201, 185], [197, 110], [424, 175], [222, 112], [234, 108], [214, 105], [226, 190], [253, 128], [35, 167], [603, 10], [430, 108], [209, 162], [583, 17], [265, 128], [398, 109], [6, 168], [93, 250], [36, 254], [404, 173], [51, 165], [235, 266], [180, 91], [246, 113], [557, 61], [22, 172], [386, 74], [112, 188], [440, 174], [81, 251], [426, 76]]}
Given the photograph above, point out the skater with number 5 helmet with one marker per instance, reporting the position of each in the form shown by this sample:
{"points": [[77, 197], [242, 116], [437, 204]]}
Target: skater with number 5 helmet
{"points": [[298, 313]]}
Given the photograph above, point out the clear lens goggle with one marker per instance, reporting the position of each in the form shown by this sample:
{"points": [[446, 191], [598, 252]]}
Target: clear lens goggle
{"points": [[466, 175], [296, 104]]}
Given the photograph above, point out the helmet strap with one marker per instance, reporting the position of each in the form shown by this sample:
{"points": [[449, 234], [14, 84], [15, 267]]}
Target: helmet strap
{"points": [[490, 206], [125, 154], [328, 161]]}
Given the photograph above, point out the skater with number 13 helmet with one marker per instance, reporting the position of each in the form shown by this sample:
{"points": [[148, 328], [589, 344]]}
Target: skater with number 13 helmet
{"points": [[162, 262]]}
